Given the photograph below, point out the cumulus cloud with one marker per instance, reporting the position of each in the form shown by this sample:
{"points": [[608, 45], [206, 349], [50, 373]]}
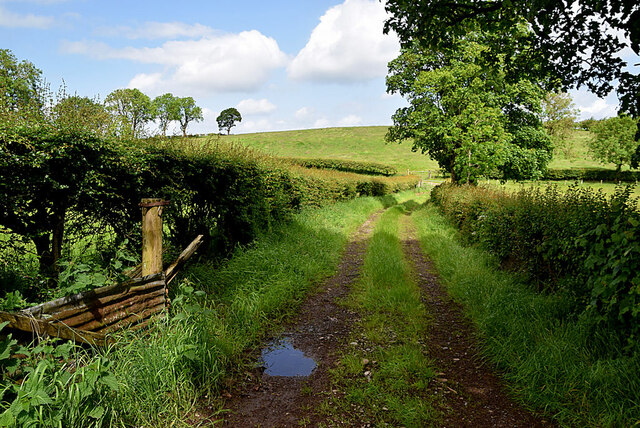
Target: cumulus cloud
{"points": [[251, 106], [350, 120], [158, 30], [9, 19], [599, 109], [347, 46], [225, 63]]}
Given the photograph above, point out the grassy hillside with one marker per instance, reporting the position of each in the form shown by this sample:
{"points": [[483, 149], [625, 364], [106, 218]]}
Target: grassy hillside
{"points": [[366, 143]]}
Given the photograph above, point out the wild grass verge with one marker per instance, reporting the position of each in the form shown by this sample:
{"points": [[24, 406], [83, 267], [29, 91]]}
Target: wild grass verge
{"points": [[547, 357], [383, 376]]}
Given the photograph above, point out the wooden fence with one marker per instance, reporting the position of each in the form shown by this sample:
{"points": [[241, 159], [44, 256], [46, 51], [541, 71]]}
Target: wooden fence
{"points": [[89, 316]]}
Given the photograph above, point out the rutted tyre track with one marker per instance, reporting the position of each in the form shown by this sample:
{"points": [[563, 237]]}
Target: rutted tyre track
{"points": [[470, 392], [319, 330]]}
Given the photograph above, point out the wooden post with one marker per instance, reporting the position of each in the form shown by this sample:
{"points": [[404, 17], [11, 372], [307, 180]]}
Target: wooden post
{"points": [[152, 235]]}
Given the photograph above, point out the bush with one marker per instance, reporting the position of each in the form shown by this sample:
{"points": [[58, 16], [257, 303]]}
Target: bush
{"points": [[580, 244], [592, 174], [368, 168]]}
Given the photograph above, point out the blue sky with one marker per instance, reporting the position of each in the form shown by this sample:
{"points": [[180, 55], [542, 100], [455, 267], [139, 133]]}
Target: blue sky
{"points": [[285, 64]]}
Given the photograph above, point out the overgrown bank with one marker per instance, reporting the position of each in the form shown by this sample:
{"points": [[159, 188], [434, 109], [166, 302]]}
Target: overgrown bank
{"points": [[569, 345]]}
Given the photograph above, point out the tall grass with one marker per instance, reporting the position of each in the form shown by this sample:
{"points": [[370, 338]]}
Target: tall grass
{"points": [[385, 373], [546, 356]]}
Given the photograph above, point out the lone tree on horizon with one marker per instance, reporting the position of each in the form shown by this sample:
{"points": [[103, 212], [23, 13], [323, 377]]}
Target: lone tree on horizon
{"points": [[228, 118]]}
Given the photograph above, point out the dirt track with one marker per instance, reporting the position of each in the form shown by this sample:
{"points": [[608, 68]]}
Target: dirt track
{"points": [[467, 390]]}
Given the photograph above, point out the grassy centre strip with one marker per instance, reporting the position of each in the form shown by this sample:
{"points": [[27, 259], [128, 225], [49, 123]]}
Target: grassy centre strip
{"points": [[384, 374]]}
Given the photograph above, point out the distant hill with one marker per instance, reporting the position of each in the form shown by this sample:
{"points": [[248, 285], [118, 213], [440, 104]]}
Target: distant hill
{"points": [[366, 143]]}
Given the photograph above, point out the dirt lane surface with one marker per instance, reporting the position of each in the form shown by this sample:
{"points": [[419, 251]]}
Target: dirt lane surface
{"points": [[319, 330], [471, 393]]}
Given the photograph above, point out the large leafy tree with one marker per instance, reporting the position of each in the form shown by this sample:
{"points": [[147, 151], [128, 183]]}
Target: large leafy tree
{"points": [[81, 114], [189, 112], [22, 88], [167, 109], [614, 141], [570, 40], [227, 119], [469, 115], [131, 109], [559, 115]]}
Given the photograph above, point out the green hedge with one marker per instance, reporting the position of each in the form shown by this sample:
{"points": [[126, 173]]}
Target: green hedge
{"points": [[590, 174], [579, 244], [368, 168], [225, 192]]}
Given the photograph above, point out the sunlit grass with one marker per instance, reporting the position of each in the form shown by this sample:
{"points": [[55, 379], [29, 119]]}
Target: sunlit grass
{"points": [[547, 357], [384, 374]]}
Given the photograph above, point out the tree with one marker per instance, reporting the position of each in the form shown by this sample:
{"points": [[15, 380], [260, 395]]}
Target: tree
{"points": [[569, 40], [558, 116], [22, 89], [469, 116], [45, 173], [167, 109], [81, 114], [614, 141], [189, 112], [132, 110], [228, 118]]}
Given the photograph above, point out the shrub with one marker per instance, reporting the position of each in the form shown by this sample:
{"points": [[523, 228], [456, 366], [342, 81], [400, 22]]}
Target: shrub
{"points": [[368, 168], [579, 243]]}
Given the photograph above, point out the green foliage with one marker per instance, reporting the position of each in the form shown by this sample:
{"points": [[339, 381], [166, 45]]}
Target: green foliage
{"points": [[579, 244], [131, 110], [591, 174], [469, 114], [188, 112], [551, 359], [22, 89], [43, 390], [369, 168], [560, 34], [559, 115], [228, 118], [81, 114], [168, 109], [614, 140]]}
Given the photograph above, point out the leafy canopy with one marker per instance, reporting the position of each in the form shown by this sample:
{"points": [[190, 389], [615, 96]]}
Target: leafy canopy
{"points": [[472, 117], [188, 112], [22, 89], [569, 40], [614, 140], [132, 110], [228, 118], [167, 108]]}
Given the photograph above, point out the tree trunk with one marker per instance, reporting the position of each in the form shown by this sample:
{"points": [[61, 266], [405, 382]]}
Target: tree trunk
{"points": [[56, 242]]}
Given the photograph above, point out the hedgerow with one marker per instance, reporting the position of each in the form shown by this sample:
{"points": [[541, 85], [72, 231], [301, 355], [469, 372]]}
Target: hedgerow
{"points": [[368, 168], [578, 244]]}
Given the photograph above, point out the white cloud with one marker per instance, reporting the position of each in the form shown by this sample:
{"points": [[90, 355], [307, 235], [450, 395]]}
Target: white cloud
{"points": [[599, 109], [14, 20], [323, 122], [158, 30], [347, 46], [251, 106], [226, 63], [304, 113], [351, 120]]}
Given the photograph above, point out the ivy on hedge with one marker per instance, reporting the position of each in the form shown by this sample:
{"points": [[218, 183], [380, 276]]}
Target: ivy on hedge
{"points": [[580, 244]]}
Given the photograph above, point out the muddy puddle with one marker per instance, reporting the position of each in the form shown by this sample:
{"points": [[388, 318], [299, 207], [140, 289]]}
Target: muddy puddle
{"points": [[280, 358]]}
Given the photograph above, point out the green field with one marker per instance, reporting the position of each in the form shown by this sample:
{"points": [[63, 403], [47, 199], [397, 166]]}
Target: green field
{"points": [[366, 143]]}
